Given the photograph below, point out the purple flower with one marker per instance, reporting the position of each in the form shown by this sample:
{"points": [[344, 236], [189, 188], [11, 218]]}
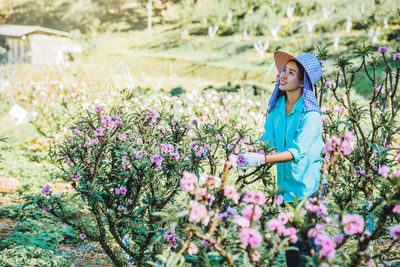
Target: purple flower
{"points": [[69, 140], [231, 211], [359, 171], [123, 190], [82, 236], [76, 177], [382, 49], [195, 122], [168, 235], [174, 241], [130, 201], [204, 243], [223, 216], [121, 208], [338, 238], [46, 190], [98, 108], [241, 159], [117, 191], [100, 131], [396, 56]]}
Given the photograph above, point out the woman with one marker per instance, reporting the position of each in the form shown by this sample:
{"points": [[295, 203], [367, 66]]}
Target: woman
{"points": [[293, 126]]}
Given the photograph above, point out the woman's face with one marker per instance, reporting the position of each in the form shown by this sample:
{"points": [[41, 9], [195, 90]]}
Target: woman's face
{"points": [[290, 78]]}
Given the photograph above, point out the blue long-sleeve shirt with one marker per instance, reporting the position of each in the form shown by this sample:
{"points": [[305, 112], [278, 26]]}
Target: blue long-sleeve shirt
{"points": [[301, 175]]}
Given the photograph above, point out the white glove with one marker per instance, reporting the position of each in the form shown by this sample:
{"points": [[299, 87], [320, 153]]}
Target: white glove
{"points": [[251, 159]]}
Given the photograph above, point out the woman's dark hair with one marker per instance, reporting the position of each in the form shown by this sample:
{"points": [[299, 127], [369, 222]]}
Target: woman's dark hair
{"points": [[300, 67]]}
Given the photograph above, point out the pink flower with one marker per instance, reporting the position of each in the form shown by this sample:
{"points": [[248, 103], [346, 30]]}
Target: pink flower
{"points": [[202, 192], [197, 211], [82, 236], [383, 49], [256, 255], [44, 209], [164, 148], [291, 232], [248, 212], [130, 201], [276, 225], [46, 190], [123, 190], [285, 217], [203, 178], [324, 120], [249, 197], [395, 232], [76, 177], [233, 160], [188, 181], [353, 224], [396, 209], [328, 83], [317, 230], [99, 131], [339, 109], [98, 108], [138, 154], [384, 171], [279, 200], [230, 192], [349, 136], [396, 56], [380, 89], [192, 249], [346, 148], [105, 119], [241, 221], [250, 237], [153, 113], [397, 173], [327, 246], [139, 141], [157, 160], [109, 125], [259, 198]]}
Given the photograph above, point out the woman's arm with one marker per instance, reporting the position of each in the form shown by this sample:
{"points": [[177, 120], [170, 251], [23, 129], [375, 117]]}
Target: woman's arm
{"points": [[279, 157]]}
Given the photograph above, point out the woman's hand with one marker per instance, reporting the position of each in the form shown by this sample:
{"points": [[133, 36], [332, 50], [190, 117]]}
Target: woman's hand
{"points": [[251, 159]]}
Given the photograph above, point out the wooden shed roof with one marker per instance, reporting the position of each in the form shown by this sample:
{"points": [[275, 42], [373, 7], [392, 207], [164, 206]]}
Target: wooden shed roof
{"points": [[20, 30]]}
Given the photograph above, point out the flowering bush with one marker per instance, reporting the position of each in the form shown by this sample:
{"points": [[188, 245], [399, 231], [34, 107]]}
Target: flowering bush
{"points": [[115, 163]]}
